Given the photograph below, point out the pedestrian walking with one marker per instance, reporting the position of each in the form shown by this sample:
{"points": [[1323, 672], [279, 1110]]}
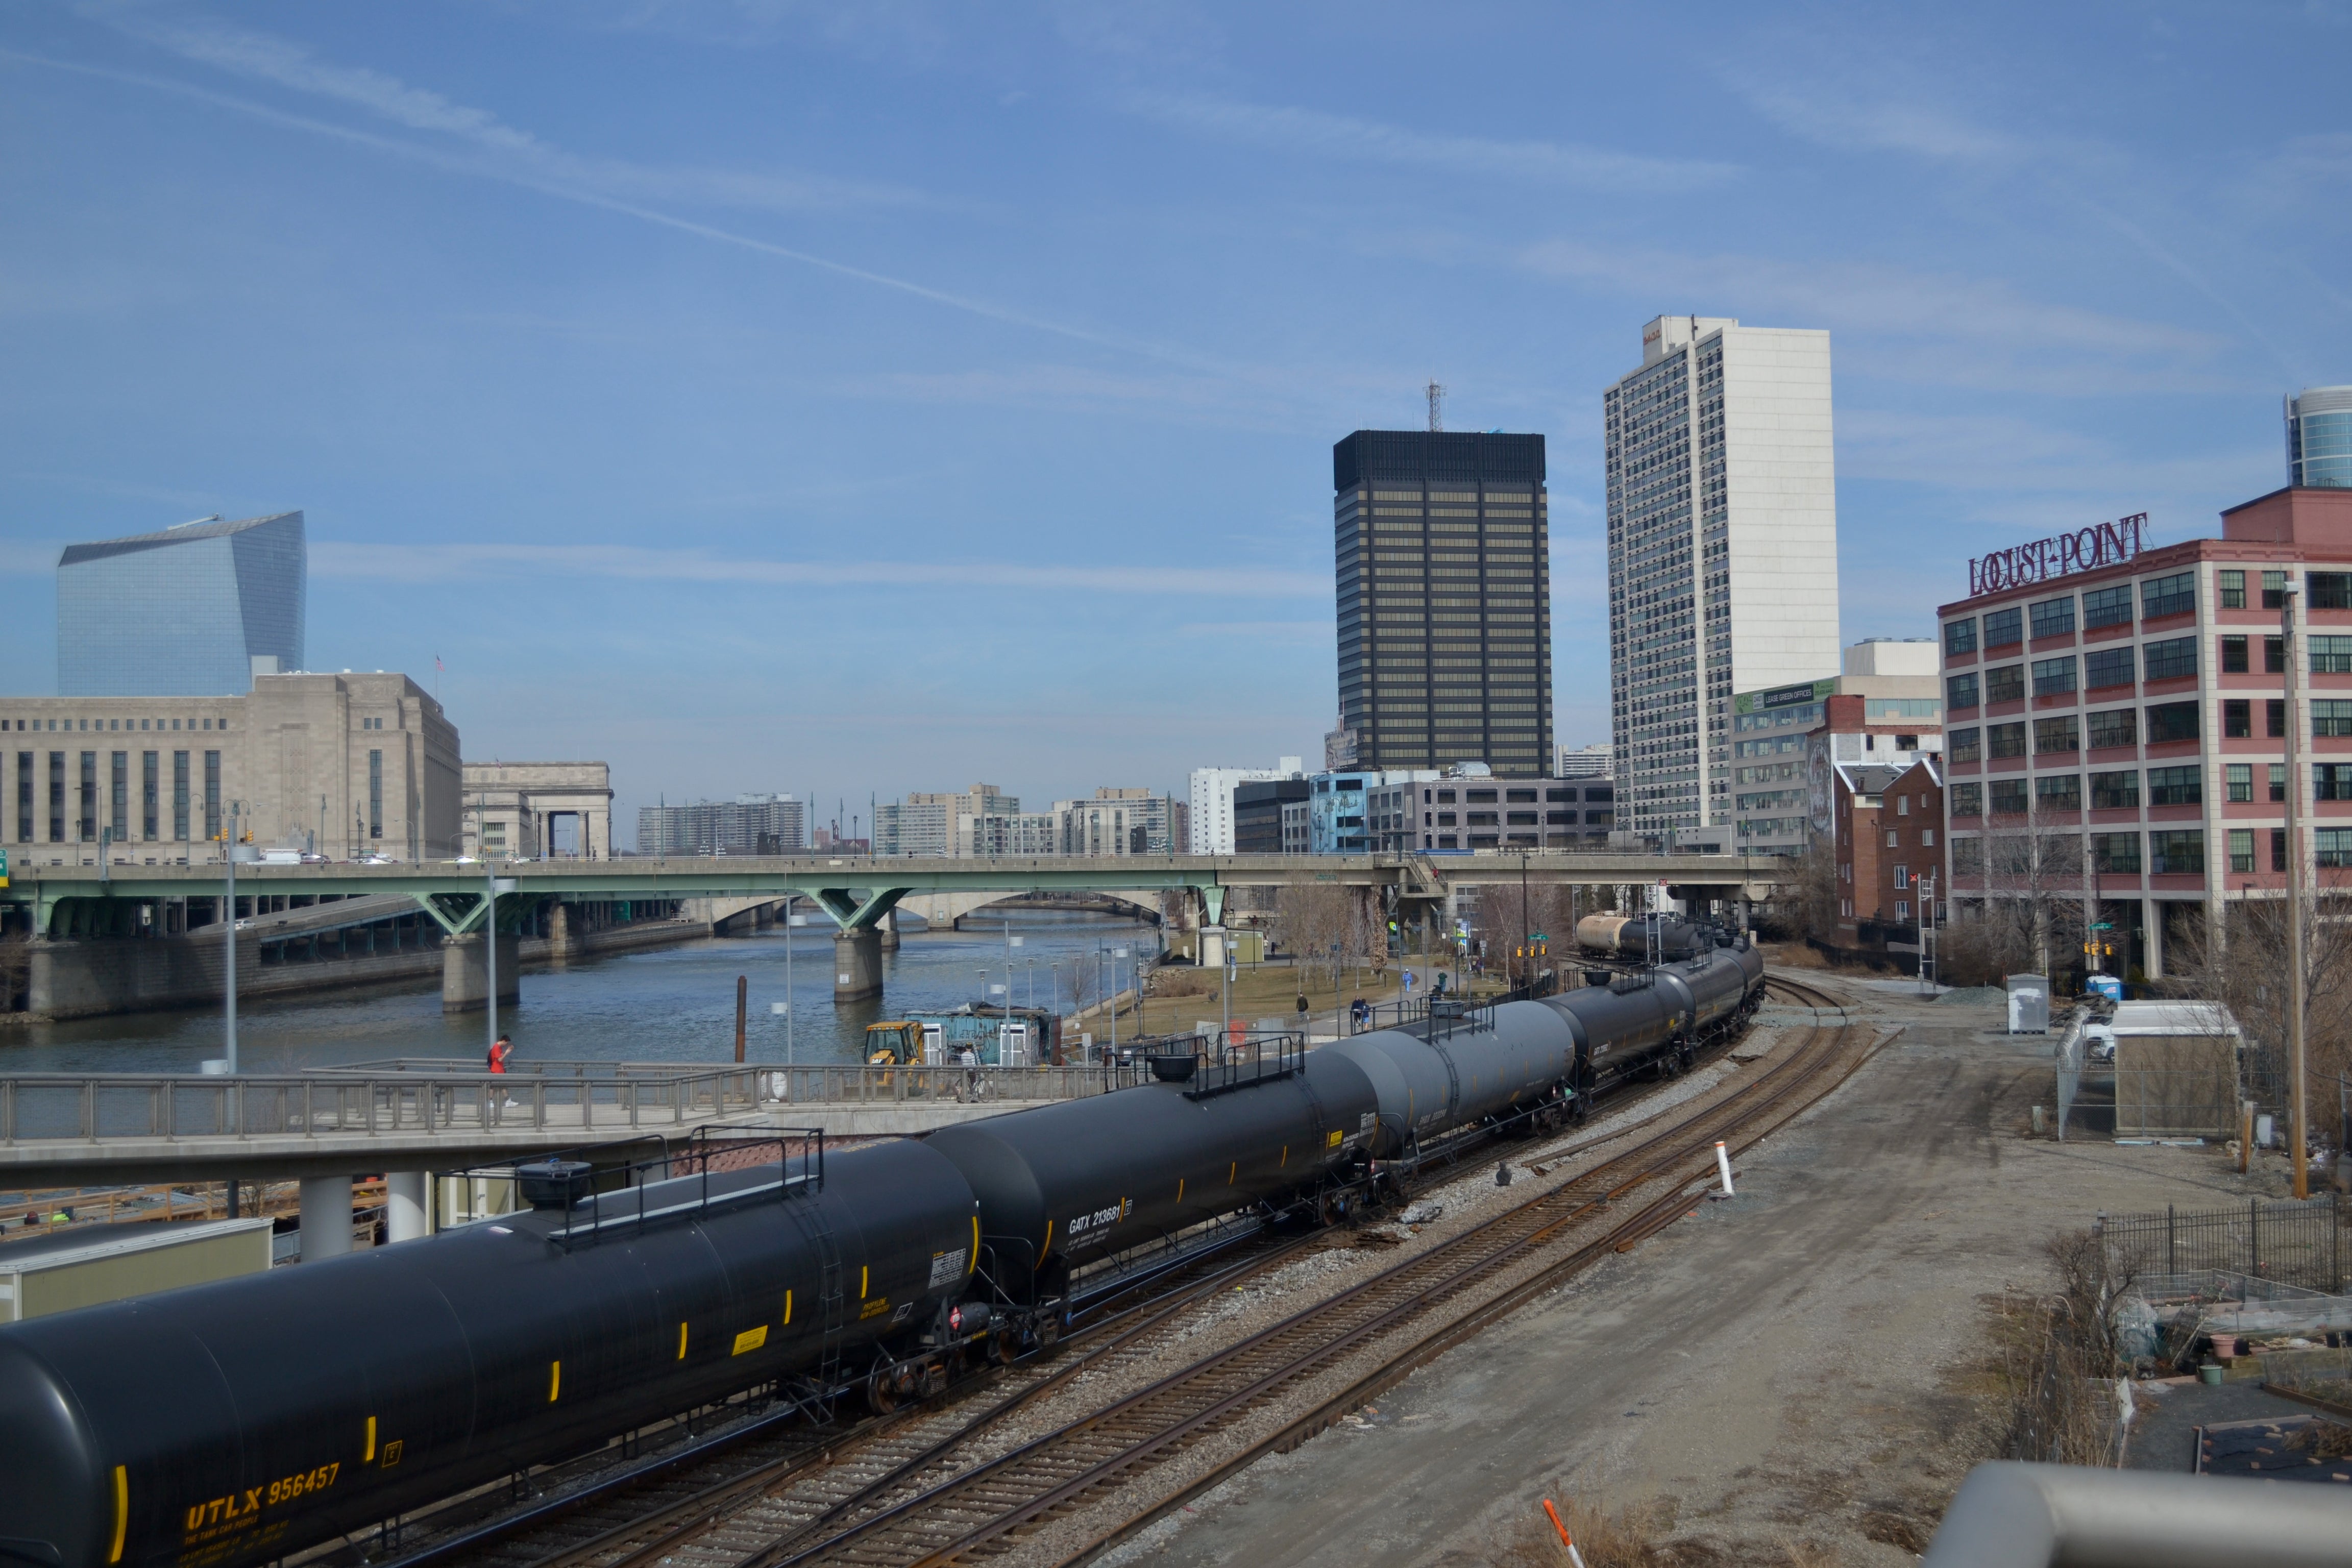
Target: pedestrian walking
{"points": [[500, 1049]]}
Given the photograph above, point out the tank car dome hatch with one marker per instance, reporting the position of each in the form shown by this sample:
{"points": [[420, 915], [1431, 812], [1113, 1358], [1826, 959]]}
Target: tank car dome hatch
{"points": [[555, 1184]]}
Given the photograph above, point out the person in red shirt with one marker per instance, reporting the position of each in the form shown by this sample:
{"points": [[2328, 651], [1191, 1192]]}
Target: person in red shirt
{"points": [[500, 1049]]}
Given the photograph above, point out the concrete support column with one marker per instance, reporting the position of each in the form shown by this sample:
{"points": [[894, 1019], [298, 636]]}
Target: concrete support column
{"points": [[558, 932], [464, 987], [2154, 916], [857, 964], [405, 1218], [326, 1217], [891, 931]]}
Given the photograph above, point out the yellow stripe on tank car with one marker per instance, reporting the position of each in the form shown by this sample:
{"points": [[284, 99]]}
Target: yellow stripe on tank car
{"points": [[972, 1261], [121, 1512], [863, 1274], [1230, 1171], [1179, 1189], [788, 1306], [681, 1342], [554, 1380], [369, 1458]]}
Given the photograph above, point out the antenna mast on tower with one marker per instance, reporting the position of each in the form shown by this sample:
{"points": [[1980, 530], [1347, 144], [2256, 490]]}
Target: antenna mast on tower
{"points": [[1436, 396]]}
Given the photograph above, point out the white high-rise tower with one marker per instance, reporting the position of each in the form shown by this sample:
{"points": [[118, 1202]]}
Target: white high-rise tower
{"points": [[1722, 552]]}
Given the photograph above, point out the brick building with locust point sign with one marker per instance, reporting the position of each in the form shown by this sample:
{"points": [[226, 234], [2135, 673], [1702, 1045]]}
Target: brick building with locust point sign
{"points": [[2132, 714]]}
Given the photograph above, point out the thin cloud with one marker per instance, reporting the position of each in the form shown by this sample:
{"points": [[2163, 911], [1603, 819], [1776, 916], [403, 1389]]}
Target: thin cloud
{"points": [[1890, 125], [468, 562], [508, 173], [1892, 301], [1315, 133], [262, 57]]}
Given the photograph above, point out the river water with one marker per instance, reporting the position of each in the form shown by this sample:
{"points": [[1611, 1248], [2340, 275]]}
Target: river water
{"points": [[671, 1004]]}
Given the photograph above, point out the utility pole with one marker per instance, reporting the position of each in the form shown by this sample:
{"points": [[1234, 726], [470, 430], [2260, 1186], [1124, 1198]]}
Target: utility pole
{"points": [[2294, 978]]}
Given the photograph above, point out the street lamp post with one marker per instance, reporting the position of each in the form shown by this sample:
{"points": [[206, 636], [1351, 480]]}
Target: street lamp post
{"points": [[229, 968], [2295, 975]]}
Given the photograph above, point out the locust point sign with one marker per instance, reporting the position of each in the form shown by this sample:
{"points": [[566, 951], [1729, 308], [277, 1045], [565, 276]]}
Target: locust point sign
{"points": [[2021, 565]]}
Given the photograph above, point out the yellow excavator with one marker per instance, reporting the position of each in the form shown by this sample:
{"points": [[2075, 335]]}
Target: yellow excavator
{"points": [[898, 1043]]}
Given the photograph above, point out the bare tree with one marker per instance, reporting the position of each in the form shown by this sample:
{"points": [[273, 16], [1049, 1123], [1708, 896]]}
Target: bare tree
{"points": [[2035, 887], [1324, 925], [1807, 903], [2240, 962]]}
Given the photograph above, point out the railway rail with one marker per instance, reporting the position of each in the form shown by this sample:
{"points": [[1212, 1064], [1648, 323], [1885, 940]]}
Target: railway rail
{"points": [[785, 1492]]}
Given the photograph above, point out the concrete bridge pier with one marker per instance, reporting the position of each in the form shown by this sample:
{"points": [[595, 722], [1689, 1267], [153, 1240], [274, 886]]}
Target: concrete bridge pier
{"points": [[465, 986], [405, 1216], [891, 931], [326, 1217], [857, 963]]}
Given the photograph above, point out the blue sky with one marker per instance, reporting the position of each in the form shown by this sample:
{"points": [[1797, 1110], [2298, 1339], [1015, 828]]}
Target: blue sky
{"points": [[859, 398]]}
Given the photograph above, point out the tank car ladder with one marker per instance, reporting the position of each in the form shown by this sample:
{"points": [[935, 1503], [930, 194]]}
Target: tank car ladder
{"points": [[832, 1308]]}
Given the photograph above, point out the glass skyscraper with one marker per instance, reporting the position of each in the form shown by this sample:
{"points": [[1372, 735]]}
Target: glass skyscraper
{"points": [[1445, 599], [2319, 438], [182, 612]]}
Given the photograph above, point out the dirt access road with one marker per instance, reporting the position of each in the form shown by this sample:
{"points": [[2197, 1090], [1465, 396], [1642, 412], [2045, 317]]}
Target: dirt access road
{"points": [[1797, 1365]]}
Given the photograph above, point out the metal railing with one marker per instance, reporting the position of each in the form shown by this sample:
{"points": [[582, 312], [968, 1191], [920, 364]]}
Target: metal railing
{"points": [[2298, 1243], [53, 1108]]}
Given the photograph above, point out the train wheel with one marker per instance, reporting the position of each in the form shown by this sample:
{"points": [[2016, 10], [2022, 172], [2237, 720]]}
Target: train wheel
{"points": [[1005, 1347], [882, 1391], [1049, 1332]]}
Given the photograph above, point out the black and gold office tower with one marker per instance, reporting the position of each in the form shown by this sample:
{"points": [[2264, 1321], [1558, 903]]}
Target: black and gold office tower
{"points": [[1444, 600]]}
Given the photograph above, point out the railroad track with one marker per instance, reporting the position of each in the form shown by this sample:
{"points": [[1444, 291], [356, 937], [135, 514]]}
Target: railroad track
{"points": [[983, 1511], [764, 1490]]}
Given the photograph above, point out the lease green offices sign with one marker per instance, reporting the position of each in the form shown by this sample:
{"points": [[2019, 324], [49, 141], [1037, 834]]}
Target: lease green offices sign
{"points": [[1783, 695]]}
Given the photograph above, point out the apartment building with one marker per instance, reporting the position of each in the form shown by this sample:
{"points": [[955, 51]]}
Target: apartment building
{"points": [[2129, 703], [1885, 708], [1887, 824]]}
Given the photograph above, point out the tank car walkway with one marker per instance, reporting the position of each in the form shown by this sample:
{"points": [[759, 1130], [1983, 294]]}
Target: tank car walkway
{"points": [[105, 1129]]}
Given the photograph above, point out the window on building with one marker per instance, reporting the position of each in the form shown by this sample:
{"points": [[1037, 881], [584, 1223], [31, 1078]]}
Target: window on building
{"points": [[2329, 590], [1926, 839], [2331, 780], [2009, 797], [1960, 636], [2240, 779], [2114, 727], [2171, 659], [2176, 786], [24, 792], [2233, 655], [2115, 792], [1968, 857], [2176, 853], [2052, 736], [1967, 800], [2329, 656], [2059, 792], [1479, 797], [1890, 839], [2107, 667], [2332, 845], [2242, 850], [1902, 875], [2004, 626], [1445, 797], [2006, 684], [1960, 690], [2237, 719], [212, 794], [2005, 739], [2173, 595], [2053, 676], [2330, 717], [375, 796], [2278, 848], [2107, 607], [180, 794], [1966, 745], [2274, 590], [2117, 852], [151, 795], [2171, 722], [2054, 617], [2278, 783], [2233, 588], [2274, 718], [1902, 906]]}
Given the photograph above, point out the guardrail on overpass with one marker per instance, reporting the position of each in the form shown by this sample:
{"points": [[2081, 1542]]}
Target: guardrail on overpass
{"points": [[857, 890], [59, 1130]]}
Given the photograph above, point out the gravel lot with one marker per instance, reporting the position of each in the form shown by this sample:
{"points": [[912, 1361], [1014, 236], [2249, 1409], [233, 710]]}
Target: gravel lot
{"points": [[1801, 1364]]}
